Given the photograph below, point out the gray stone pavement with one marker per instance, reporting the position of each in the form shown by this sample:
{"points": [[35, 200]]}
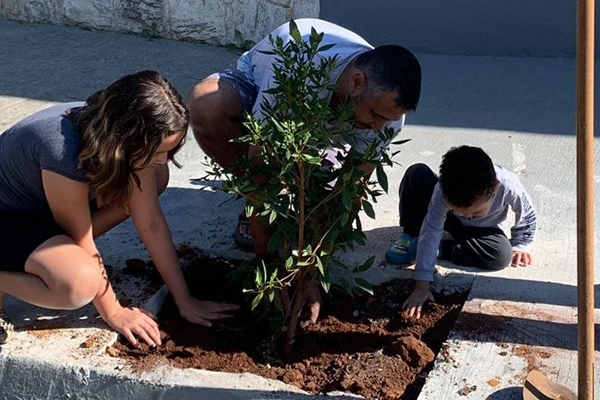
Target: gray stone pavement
{"points": [[520, 110]]}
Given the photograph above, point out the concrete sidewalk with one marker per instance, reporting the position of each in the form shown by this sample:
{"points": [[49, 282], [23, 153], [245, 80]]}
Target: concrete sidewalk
{"points": [[520, 110]]}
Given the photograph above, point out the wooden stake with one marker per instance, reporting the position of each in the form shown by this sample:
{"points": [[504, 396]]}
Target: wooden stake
{"points": [[585, 196]]}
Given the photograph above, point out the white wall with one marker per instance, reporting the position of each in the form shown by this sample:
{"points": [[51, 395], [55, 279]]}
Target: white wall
{"points": [[208, 21]]}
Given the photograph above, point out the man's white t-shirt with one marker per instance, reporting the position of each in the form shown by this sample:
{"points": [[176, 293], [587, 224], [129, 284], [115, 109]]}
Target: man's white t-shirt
{"points": [[348, 45]]}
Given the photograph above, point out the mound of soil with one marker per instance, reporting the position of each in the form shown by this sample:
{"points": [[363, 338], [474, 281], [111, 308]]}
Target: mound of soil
{"points": [[362, 344]]}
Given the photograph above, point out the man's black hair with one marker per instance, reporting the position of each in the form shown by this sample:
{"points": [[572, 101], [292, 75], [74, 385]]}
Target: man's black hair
{"points": [[467, 176], [392, 67]]}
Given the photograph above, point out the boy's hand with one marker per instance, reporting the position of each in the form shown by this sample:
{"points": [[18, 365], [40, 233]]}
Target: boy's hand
{"points": [[417, 298], [521, 259]]}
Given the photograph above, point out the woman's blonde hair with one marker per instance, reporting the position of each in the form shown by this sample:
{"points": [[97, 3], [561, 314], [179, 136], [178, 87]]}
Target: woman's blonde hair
{"points": [[122, 126]]}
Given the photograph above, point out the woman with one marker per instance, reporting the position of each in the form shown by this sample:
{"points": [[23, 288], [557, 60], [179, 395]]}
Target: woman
{"points": [[72, 172]]}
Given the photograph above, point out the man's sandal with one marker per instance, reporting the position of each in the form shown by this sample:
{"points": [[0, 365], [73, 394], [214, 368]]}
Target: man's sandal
{"points": [[242, 236], [7, 329]]}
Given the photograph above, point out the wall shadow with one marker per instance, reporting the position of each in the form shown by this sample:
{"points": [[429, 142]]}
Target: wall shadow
{"points": [[57, 63]]}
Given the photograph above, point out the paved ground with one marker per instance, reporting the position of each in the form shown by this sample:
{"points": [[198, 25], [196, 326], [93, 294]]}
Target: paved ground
{"points": [[520, 110]]}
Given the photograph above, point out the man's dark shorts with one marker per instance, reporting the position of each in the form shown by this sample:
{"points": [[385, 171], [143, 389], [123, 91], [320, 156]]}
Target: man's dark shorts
{"points": [[242, 83]]}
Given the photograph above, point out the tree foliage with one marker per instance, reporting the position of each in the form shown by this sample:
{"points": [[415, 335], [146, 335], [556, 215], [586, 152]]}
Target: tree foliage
{"points": [[310, 200]]}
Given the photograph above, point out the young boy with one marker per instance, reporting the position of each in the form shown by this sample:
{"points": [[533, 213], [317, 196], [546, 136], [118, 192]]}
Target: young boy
{"points": [[470, 200]]}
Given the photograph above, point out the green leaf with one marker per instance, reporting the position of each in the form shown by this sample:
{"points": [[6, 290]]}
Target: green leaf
{"points": [[256, 301], [347, 199], [399, 142], [239, 36], [272, 217], [326, 285], [326, 47], [249, 209], [271, 296], [366, 265], [320, 266], [289, 262], [294, 32], [359, 238], [382, 178], [364, 285], [258, 279], [368, 209], [344, 218]]}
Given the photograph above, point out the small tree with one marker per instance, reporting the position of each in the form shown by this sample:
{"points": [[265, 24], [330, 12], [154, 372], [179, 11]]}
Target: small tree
{"points": [[312, 208]]}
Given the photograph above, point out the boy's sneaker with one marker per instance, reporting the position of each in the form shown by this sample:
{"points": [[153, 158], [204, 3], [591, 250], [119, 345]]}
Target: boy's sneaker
{"points": [[403, 251], [6, 327]]}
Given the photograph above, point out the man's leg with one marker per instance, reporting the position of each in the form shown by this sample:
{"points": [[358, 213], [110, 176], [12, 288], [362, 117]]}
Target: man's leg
{"points": [[415, 193], [217, 114]]}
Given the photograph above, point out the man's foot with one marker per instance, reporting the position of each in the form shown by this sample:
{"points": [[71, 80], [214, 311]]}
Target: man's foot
{"points": [[242, 235], [403, 251], [7, 329]]}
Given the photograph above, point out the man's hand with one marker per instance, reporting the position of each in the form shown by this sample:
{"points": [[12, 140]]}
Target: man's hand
{"points": [[521, 259], [203, 312], [417, 298], [132, 322], [312, 304]]}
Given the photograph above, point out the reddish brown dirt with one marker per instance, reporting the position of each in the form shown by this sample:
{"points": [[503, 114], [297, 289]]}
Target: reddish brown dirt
{"points": [[361, 344]]}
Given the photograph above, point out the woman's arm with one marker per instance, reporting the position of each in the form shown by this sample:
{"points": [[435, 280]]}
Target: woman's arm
{"points": [[154, 232], [68, 201]]}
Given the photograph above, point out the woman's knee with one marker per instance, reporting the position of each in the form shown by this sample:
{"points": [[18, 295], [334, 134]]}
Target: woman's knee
{"points": [[72, 276], [84, 286]]}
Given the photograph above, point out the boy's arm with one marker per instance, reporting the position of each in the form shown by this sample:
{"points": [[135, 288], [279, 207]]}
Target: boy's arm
{"points": [[522, 233], [430, 236], [427, 250]]}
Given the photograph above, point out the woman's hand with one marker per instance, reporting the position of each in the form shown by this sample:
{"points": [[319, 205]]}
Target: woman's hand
{"points": [[133, 322], [521, 259], [203, 312], [417, 298]]}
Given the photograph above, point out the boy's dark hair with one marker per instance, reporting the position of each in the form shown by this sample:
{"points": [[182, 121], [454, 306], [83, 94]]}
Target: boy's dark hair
{"points": [[467, 176], [392, 67]]}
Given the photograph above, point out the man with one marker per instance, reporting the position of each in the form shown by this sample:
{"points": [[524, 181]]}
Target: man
{"points": [[382, 84]]}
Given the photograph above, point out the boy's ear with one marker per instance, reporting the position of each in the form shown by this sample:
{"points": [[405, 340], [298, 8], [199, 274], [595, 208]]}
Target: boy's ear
{"points": [[497, 186]]}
